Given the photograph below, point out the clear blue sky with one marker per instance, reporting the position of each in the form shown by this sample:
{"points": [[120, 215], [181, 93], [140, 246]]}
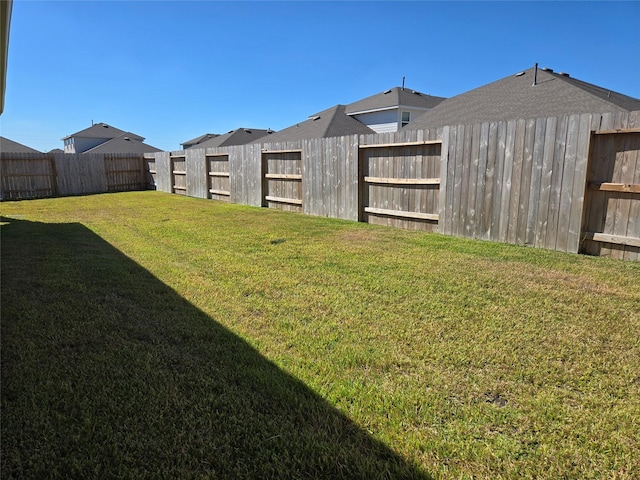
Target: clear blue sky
{"points": [[172, 70]]}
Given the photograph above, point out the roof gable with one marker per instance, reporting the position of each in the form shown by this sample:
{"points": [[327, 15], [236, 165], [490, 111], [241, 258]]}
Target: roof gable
{"points": [[7, 145], [518, 96], [393, 98], [197, 140], [239, 136], [102, 130], [332, 122], [126, 143]]}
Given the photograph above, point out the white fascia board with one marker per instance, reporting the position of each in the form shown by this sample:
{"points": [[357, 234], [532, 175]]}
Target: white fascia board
{"points": [[372, 110], [393, 107]]}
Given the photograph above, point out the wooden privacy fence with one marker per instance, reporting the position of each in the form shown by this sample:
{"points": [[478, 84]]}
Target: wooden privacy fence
{"points": [[28, 175], [568, 183], [520, 181], [525, 182]]}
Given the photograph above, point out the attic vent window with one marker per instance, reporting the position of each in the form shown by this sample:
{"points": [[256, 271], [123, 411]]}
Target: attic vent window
{"points": [[546, 69], [417, 93], [563, 74], [520, 74], [387, 91], [406, 118], [317, 117], [127, 139], [247, 130]]}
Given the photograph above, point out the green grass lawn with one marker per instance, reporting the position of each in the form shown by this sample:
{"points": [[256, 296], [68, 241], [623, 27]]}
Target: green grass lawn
{"points": [[147, 335]]}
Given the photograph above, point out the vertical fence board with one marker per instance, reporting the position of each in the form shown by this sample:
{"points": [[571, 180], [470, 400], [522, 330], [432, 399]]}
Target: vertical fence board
{"points": [[446, 181], [525, 181], [546, 176], [516, 181], [474, 184], [537, 160], [579, 183], [501, 143], [505, 201], [570, 157], [556, 183], [163, 172], [197, 178], [485, 184]]}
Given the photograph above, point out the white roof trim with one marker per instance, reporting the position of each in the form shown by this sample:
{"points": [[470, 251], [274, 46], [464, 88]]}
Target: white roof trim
{"points": [[392, 107]]}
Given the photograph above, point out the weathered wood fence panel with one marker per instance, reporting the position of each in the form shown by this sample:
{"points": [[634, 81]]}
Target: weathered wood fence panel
{"points": [[282, 179], [330, 177], [178, 162], [79, 174], [62, 174], [125, 172], [164, 177], [401, 184], [519, 181], [217, 165], [27, 175], [611, 225], [195, 177]]}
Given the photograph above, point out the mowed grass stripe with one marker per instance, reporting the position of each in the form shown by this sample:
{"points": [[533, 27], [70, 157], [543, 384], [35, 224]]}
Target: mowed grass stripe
{"points": [[177, 332]]}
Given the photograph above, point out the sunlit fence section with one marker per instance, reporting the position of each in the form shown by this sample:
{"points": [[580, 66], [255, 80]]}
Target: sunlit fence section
{"points": [[569, 183]]}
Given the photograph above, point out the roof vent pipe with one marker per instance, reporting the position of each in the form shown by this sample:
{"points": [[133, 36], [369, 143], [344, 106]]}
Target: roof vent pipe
{"points": [[403, 83], [535, 75]]}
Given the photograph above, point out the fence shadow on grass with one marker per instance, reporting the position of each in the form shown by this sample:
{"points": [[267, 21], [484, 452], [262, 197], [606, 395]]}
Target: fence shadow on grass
{"points": [[107, 372]]}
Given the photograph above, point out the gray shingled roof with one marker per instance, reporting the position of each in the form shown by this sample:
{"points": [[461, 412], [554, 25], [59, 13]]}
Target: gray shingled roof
{"points": [[7, 145], [515, 96], [393, 97], [125, 143], [332, 122], [102, 130], [239, 136], [197, 140]]}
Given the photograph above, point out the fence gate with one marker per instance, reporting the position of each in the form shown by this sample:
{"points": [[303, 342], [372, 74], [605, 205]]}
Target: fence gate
{"points": [[400, 184], [611, 225], [282, 180], [179, 173], [218, 170]]}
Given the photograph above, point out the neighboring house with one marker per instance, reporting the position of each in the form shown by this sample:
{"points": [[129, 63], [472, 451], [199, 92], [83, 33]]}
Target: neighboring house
{"points": [[392, 109], [10, 146], [99, 134], [239, 136], [533, 93], [332, 122]]}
